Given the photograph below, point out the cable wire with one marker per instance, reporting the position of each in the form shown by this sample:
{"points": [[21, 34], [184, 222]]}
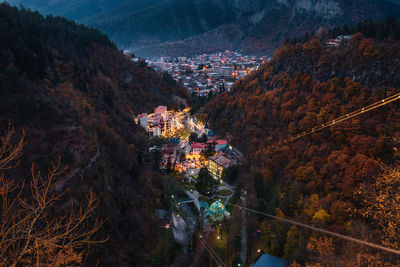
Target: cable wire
{"points": [[208, 247], [331, 123], [348, 238], [341, 236], [348, 116]]}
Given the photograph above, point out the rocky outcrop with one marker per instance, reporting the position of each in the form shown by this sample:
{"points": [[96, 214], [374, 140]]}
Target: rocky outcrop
{"points": [[161, 27]]}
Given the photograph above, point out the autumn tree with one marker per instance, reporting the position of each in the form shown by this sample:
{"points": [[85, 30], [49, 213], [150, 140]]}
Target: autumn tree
{"points": [[36, 227], [381, 205]]}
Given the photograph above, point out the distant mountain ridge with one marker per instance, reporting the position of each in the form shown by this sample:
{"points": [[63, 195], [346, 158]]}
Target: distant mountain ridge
{"points": [[183, 27]]}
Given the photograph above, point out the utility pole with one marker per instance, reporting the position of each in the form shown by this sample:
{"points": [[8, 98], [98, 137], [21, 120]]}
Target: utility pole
{"points": [[243, 251]]}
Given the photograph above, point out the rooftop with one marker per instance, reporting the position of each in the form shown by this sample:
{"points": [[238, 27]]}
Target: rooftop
{"points": [[219, 142], [217, 207], [198, 145], [267, 260], [160, 109], [222, 160]]}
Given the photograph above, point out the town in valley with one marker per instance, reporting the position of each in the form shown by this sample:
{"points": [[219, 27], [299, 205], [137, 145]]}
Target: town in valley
{"points": [[209, 73]]}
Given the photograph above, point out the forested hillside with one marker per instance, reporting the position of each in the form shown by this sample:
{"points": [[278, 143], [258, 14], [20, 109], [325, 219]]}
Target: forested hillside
{"points": [[330, 179], [75, 96]]}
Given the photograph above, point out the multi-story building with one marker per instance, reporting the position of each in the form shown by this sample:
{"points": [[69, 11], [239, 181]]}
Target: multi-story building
{"points": [[219, 144], [197, 148], [143, 120], [169, 153], [218, 163]]}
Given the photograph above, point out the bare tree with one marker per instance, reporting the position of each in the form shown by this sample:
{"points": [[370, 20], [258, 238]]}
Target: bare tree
{"points": [[37, 226]]}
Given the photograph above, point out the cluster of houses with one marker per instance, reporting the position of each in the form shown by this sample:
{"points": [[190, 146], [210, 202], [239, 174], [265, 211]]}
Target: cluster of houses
{"points": [[179, 153], [339, 41], [186, 156], [202, 74], [162, 123]]}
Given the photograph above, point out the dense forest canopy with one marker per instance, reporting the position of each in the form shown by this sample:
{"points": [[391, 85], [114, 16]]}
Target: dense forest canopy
{"points": [[380, 30], [319, 179], [75, 95]]}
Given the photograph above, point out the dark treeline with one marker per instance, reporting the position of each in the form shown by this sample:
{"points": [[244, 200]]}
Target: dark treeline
{"points": [[381, 29], [25, 37]]}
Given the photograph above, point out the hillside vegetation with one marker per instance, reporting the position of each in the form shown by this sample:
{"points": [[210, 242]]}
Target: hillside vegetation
{"points": [[75, 95], [331, 178]]}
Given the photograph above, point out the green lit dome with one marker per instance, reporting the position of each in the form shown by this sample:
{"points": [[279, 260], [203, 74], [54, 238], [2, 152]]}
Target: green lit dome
{"points": [[217, 211]]}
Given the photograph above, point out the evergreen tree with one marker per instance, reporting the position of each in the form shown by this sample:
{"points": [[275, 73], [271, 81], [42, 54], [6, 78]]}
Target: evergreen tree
{"points": [[210, 150], [230, 174], [206, 184], [193, 137], [346, 29], [169, 165]]}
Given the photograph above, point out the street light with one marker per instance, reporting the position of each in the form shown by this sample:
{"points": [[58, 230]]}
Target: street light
{"points": [[258, 250]]}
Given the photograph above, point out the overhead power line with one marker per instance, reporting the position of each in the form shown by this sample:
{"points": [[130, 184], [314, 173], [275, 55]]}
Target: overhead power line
{"points": [[313, 228], [348, 238], [204, 242], [343, 118], [210, 250]]}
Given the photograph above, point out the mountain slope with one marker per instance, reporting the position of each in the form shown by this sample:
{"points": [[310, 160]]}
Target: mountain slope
{"points": [[317, 177], [166, 21], [75, 95], [262, 30], [158, 27]]}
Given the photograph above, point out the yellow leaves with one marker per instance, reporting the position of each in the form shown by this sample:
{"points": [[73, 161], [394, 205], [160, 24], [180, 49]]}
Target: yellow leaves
{"points": [[381, 204], [321, 215], [312, 207], [314, 197], [279, 213]]}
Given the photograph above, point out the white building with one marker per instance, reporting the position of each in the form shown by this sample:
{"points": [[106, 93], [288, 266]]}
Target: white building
{"points": [[143, 120]]}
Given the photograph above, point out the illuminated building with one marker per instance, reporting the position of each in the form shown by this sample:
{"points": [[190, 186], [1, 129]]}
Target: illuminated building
{"points": [[218, 163], [217, 211]]}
